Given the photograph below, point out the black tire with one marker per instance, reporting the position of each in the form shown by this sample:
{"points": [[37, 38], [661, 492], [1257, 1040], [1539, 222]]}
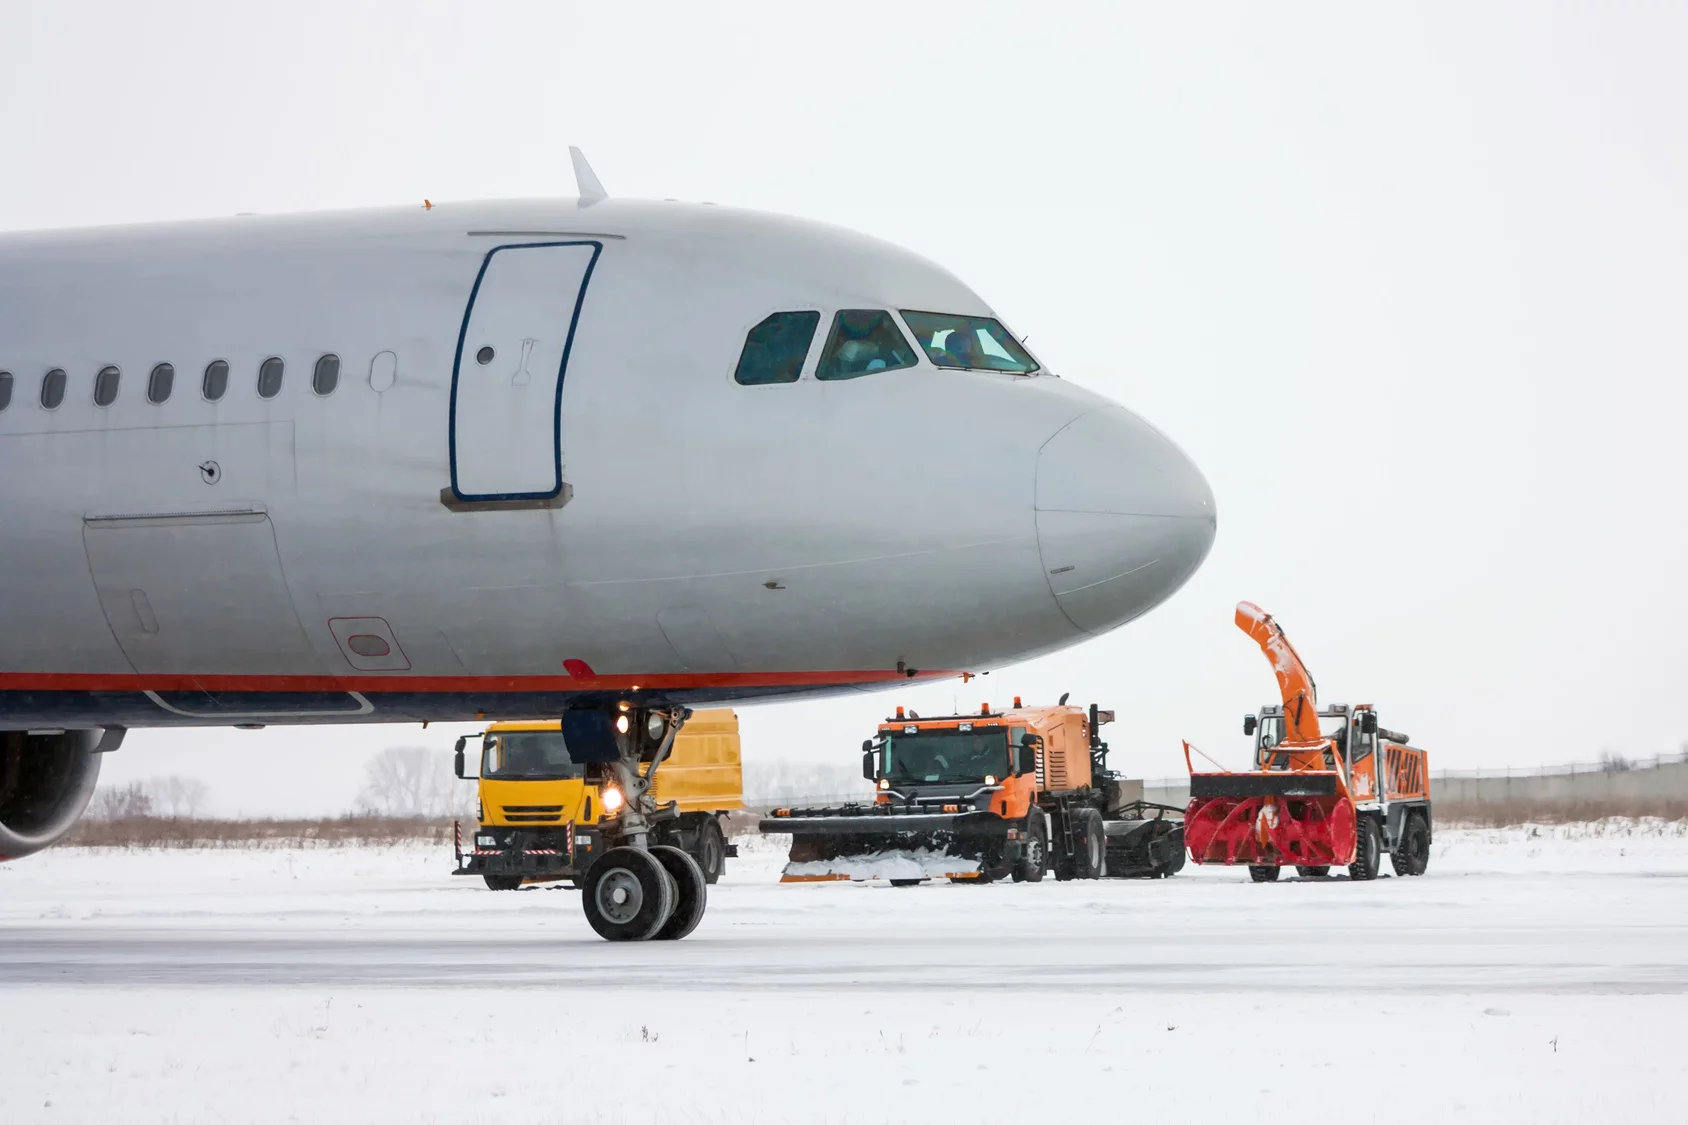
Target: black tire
{"points": [[1034, 849], [691, 896], [1318, 871], [711, 854], [628, 895], [1368, 851], [1090, 840], [1413, 856], [502, 882], [1263, 872]]}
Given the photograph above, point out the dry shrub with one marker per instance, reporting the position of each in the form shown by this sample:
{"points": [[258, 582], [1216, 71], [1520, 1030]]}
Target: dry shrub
{"points": [[1511, 813], [184, 832]]}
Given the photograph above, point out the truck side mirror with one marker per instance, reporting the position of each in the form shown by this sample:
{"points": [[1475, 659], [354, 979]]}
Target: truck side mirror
{"points": [[1248, 725], [867, 762], [1025, 759], [458, 762], [1368, 722]]}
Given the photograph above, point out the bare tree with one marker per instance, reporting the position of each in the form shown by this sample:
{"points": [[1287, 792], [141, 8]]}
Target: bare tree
{"points": [[121, 802], [408, 781], [177, 797]]}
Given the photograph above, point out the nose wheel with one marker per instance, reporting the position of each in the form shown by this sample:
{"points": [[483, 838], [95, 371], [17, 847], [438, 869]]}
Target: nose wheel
{"points": [[628, 895], [632, 894]]}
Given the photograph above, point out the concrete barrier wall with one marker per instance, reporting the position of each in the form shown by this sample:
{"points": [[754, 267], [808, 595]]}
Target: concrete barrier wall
{"points": [[1653, 780]]}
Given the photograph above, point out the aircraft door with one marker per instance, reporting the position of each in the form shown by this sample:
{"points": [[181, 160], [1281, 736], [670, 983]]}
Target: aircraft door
{"points": [[507, 381]]}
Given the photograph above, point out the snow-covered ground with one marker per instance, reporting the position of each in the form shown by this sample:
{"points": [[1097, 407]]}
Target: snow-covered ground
{"points": [[1533, 975]]}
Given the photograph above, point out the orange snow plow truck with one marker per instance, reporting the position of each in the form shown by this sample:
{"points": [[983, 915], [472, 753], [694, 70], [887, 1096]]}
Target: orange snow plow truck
{"points": [[1329, 787], [975, 798]]}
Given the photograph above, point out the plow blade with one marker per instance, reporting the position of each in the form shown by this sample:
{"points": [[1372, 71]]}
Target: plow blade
{"points": [[889, 865], [879, 848], [1270, 818]]}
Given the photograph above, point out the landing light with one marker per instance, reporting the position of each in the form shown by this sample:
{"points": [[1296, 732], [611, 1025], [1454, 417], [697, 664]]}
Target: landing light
{"points": [[621, 723], [612, 800], [990, 779], [884, 783]]}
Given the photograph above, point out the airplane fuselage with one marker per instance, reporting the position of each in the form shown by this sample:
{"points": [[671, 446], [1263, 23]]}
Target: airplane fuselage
{"points": [[495, 459]]}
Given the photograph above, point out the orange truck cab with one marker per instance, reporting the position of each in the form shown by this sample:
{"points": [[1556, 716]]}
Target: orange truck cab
{"points": [[981, 796], [541, 816]]}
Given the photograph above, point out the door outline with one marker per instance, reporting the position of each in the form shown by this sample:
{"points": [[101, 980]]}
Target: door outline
{"points": [[562, 373]]}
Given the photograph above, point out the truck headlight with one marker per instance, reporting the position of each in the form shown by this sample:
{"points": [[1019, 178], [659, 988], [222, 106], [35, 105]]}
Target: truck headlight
{"points": [[613, 799]]}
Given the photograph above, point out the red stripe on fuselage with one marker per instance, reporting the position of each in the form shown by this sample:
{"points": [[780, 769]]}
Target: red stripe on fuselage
{"points": [[401, 682]]}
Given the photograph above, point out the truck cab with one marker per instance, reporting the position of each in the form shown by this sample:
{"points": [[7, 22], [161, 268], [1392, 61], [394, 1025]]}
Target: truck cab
{"points": [[541, 816]]}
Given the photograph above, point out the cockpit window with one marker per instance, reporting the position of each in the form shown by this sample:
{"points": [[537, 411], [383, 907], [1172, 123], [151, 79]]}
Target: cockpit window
{"points": [[775, 349], [863, 341], [975, 342]]}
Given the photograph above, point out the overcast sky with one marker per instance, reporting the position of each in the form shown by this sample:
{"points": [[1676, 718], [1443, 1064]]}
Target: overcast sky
{"points": [[1406, 281]]}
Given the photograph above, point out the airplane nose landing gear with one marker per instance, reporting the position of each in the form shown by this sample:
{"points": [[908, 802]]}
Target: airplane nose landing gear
{"points": [[634, 891]]}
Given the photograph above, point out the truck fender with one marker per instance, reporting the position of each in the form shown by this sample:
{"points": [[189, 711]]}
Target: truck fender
{"points": [[1396, 827]]}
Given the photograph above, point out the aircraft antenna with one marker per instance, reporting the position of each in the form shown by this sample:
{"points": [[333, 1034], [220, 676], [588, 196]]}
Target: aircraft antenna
{"points": [[586, 180]]}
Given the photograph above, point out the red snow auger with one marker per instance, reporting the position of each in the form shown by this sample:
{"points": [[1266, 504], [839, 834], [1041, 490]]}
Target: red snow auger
{"points": [[1303, 818], [1294, 807]]}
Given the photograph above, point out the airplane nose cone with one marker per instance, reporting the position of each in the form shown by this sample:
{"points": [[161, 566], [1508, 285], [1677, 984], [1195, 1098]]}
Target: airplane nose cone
{"points": [[1123, 518]]}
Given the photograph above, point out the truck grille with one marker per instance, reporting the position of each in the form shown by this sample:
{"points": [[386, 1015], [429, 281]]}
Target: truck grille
{"points": [[533, 814]]}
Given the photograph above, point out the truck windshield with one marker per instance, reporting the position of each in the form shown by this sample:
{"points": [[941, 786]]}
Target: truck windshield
{"points": [[538, 755], [946, 755]]}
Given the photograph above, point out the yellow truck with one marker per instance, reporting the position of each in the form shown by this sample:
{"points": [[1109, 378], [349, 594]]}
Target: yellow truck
{"points": [[542, 816]]}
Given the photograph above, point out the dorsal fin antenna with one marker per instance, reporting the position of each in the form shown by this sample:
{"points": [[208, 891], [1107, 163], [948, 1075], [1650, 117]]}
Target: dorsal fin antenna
{"points": [[586, 180]]}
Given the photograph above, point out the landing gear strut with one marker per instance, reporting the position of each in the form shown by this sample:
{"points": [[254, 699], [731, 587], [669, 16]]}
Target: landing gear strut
{"points": [[635, 892]]}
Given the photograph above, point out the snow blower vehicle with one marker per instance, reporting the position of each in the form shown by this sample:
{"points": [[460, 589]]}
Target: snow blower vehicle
{"points": [[975, 798], [1329, 787]]}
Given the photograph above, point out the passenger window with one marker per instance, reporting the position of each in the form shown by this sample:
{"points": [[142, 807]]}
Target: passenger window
{"points": [[775, 349], [160, 383], [863, 341], [216, 380], [52, 388], [5, 389], [326, 376], [269, 377], [105, 386], [976, 343]]}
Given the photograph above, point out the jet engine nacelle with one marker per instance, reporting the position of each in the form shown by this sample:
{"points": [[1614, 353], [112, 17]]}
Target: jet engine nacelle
{"points": [[46, 781]]}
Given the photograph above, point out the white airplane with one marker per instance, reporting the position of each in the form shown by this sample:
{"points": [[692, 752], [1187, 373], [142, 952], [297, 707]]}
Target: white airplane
{"points": [[529, 458]]}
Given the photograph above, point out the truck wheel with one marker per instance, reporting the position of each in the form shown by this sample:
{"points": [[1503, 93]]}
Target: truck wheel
{"points": [[502, 882], [1091, 852], [628, 895], [1263, 872], [1318, 871], [711, 850], [691, 892], [1413, 856], [1034, 850], [1368, 851]]}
